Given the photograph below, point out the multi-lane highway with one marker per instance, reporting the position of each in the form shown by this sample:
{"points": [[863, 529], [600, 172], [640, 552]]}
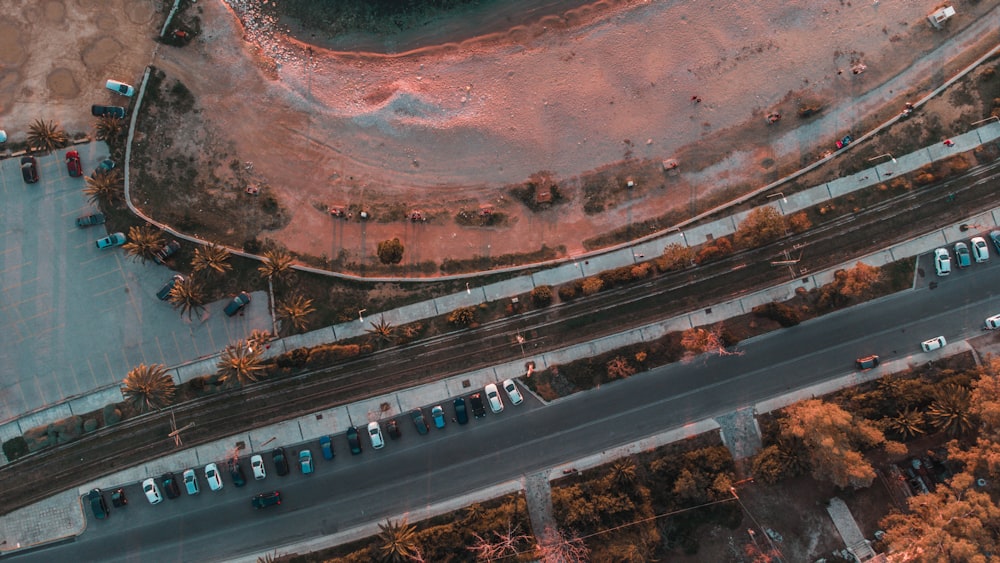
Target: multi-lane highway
{"points": [[421, 470]]}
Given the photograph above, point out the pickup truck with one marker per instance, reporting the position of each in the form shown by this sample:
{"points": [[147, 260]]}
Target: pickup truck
{"points": [[90, 220], [167, 251]]}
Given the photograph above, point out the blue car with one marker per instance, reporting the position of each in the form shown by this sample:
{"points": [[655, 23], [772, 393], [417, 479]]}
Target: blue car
{"points": [[437, 413], [237, 304], [461, 414], [326, 446], [306, 461]]}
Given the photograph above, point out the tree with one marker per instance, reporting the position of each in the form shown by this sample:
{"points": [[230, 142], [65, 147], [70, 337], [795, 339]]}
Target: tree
{"points": [[984, 400], [390, 251], [143, 242], [48, 136], [541, 296], [713, 340], [799, 223], [462, 317], [950, 410], [148, 387], [761, 226], [675, 257], [240, 363], [592, 285], [109, 127], [277, 264], [105, 187], [295, 311], [721, 248], [907, 423], [955, 522], [562, 547], [857, 281], [211, 258], [619, 367], [382, 332], [502, 545], [398, 542], [831, 437], [188, 296], [777, 462], [623, 473]]}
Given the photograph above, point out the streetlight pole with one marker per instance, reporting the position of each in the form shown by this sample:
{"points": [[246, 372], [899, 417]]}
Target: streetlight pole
{"points": [[881, 155], [779, 194], [360, 318]]}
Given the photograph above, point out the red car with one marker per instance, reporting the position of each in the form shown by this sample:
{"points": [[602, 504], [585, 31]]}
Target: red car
{"points": [[73, 164]]}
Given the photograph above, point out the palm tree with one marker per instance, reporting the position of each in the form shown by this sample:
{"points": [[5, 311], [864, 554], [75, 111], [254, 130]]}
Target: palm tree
{"points": [[240, 363], [382, 332], [950, 410], [211, 258], [143, 242], [907, 423], [398, 542], [148, 387], [295, 311], [623, 473], [187, 296], [277, 264], [104, 187], [109, 127], [48, 136]]}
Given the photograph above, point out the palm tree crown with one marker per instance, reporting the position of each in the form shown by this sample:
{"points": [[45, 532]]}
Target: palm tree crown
{"points": [[240, 363], [211, 258], [277, 264], [148, 387], [187, 296], [295, 311], [48, 136], [104, 187], [143, 242], [109, 127], [398, 542]]}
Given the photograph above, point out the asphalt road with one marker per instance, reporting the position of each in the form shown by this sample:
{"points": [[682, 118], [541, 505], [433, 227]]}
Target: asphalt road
{"points": [[422, 470]]}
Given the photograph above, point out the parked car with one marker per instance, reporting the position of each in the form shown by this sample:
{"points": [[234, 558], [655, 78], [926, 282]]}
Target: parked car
{"points": [[73, 164], [191, 482], [995, 237], [493, 396], [980, 250], [478, 410], [419, 421], [437, 413], [993, 323], [110, 111], [933, 344], [120, 88], [114, 239], [152, 491], [29, 169], [3, 136], [512, 391], [375, 433], [867, 362], [280, 460], [306, 461], [170, 486], [164, 292], [257, 464], [118, 498], [97, 504], [942, 262], [326, 446], [392, 427], [460, 413], [264, 500], [90, 220], [962, 257], [213, 477], [353, 441], [237, 304], [104, 166], [166, 252], [236, 473]]}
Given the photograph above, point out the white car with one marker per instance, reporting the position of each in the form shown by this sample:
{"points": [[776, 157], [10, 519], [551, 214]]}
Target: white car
{"points": [[213, 477], [152, 491], [120, 88], [980, 250], [375, 433], [942, 261], [493, 397], [512, 392], [257, 464], [191, 482], [933, 344], [993, 323]]}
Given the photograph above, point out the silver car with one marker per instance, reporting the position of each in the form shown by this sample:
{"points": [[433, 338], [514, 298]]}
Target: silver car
{"points": [[493, 398]]}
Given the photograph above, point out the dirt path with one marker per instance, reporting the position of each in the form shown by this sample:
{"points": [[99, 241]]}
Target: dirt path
{"points": [[538, 494]]}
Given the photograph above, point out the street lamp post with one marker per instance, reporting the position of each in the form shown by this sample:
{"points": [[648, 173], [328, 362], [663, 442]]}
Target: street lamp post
{"points": [[881, 155], [360, 318], [467, 290], [779, 194]]}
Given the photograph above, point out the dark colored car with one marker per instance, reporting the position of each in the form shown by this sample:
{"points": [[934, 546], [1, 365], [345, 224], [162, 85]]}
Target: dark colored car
{"points": [[478, 410], [105, 166], [237, 304], [111, 111], [118, 498], [166, 252], [461, 415], [264, 500], [236, 473], [97, 504], [29, 169], [995, 237], [868, 362], [326, 446], [280, 460], [353, 440], [170, 486], [73, 164], [393, 428], [418, 420], [164, 292], [90, 220]]}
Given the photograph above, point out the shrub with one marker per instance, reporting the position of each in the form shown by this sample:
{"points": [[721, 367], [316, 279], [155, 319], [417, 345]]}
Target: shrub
{"points": [[90, 425], [462, 317], [390, 251], [592, 285], [675, 257], [718, 249], [568, 291], [783, 314], [332, 353], [15, 448], [293, 359], [541, 296], [640, 271], [111, 414]]}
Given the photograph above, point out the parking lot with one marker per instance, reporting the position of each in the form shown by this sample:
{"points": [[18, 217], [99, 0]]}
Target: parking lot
{"points": [[76, 318]]}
